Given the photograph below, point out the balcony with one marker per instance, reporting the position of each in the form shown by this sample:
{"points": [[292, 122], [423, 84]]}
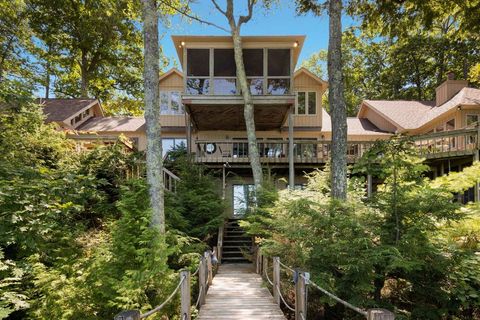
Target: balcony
{"points": [[274, 151]]}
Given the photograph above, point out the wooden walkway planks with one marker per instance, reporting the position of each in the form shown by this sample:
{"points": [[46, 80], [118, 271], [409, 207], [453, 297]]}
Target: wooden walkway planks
{"points": [[237, 293]]}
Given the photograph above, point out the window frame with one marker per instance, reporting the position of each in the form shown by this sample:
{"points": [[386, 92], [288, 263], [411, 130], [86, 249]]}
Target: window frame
{"points": [[169, 103], [307, 111]]}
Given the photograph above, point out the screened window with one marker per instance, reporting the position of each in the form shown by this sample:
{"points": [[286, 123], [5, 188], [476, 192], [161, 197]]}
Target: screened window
{"points": [[224, 63], [198, 62], [256, 86], [225, 86], [253, 62], [305, 150], [243, 198], [450, 125], [278, 86], [279, 62], [198, 86]]}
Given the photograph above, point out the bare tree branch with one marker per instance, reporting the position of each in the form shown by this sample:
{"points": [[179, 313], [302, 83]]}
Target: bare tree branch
{"points": [[218, 7], [186, 14], [245, 19]]}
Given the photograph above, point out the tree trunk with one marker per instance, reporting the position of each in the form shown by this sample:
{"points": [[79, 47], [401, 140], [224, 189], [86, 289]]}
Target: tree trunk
{"points": [[152, 114], [84, 76], [336, 100], [248, 111]]}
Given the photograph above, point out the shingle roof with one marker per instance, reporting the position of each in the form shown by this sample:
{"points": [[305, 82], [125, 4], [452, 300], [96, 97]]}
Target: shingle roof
{"points": [[415, 114], [355, 126], [124, 124], [404, 114], [62, 109]]}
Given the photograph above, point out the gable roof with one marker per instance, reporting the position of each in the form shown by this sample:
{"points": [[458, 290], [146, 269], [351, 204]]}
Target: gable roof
{"points": [[115, 124], [62, 109], [355, 126], [303, 70], [170, 72], [408, 115]]}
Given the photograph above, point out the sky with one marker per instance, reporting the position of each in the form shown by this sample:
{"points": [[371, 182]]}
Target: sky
{"points": [[279, 20]]}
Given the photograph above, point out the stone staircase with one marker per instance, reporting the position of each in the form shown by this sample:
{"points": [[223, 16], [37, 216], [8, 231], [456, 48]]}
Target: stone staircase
{"points": [[235, 243]]}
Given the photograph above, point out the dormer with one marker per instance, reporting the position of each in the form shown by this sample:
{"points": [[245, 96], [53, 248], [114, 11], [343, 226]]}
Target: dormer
{"points": [[448, 89]]}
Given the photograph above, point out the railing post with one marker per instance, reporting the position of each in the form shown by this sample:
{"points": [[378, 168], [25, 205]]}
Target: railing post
{"points": [[301, 295], [276, 280], [128, 315], [202, 281], [185, 295], [380, 314], [208, 258], [258, 261], [264, 264]]}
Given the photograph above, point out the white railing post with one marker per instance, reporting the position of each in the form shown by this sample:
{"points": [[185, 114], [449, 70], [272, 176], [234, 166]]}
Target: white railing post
{"points": [[185, 295], [202, 281], [301, 296], [380, 314], [276, 280]]}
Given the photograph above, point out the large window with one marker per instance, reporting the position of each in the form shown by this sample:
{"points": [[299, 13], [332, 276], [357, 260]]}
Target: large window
{"points": [[278, 61], [171, 103], [306, 102], [243, 198], [169, 144], [268, 71], [472, 119], [198, 71], [305, 149]]}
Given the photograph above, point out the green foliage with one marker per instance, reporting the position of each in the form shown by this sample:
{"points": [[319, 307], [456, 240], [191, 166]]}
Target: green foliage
{"points": [[409, 248]]}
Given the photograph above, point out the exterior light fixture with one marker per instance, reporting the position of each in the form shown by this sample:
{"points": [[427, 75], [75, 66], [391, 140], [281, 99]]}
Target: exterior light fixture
{"points": [[295, 44], [183, 43]]}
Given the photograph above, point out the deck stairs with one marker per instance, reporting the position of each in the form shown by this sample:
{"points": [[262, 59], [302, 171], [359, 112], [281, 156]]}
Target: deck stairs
{"points": [[237, 245]]}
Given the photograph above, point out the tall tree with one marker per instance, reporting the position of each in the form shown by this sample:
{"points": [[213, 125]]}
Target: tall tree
{"points": [[248, 111], [336, 98], [152, 113], [98, 45]]}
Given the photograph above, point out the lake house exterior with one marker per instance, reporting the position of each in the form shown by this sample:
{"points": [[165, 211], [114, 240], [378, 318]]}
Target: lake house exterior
{"points": [[202, 108]]}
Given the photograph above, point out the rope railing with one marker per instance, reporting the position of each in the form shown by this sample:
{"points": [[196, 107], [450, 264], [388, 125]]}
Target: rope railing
{"points": [[302, 280], [204, 272]]}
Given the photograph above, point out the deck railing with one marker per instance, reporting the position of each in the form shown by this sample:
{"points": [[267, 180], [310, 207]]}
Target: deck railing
{"points": [[204, 272], [434, 145], [274, 151], [301, 281]]}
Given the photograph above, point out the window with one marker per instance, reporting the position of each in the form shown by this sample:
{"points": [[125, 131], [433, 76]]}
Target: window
{"points": [[472, 119], [198, 62], [450, 125], [306, 102], [278, 62], [305, 150], [169, 144], [86, 113], [243, 198], [171, 103], [198, 71], [225, 86], [224, 63], [78, 118], [253, 61], [278, 86], [301, 105], [312, 103], [256, 86]]}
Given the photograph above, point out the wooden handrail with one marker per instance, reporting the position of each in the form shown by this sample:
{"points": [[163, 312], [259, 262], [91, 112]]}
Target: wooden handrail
{"points": [[302, 280]]}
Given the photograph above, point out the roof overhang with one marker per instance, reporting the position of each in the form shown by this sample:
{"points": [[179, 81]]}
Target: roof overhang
{"points": [[226, 112], [288, 41]]}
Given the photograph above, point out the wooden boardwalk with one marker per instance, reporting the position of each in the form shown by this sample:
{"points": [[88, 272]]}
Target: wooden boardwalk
{"points": [[237, 293]]}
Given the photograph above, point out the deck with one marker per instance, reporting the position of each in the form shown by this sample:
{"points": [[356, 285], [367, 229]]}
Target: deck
{"points": [[237, 293]]}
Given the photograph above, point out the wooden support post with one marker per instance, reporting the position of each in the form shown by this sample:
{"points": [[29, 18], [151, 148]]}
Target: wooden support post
{"points": [[208, 258], [380, 314], [264, 264], [276, 280], [202, 281], [369, 185], [258, 260], [220, 244], [128, 315], [291, 165], [185, 295], [301, 296]]}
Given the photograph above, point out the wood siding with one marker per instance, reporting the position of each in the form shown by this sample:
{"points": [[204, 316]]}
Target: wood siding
{"points": [[448, 89], [378, 120]]}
